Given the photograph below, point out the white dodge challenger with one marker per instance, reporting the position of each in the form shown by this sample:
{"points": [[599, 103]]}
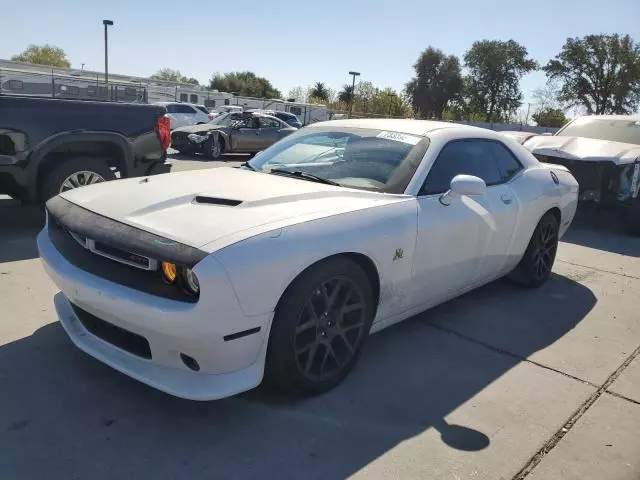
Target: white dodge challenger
{"points": [[201, 283]]}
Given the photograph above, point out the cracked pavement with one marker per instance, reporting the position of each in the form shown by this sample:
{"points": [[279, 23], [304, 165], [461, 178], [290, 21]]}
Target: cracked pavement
{"points": [[502, 383]]}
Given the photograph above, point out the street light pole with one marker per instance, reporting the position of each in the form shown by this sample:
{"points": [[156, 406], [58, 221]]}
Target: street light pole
{"points": [[353, 91], [106, 23]]}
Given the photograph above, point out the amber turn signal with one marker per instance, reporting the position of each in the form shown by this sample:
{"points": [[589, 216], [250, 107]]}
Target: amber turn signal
{"points": [[169, 271]]}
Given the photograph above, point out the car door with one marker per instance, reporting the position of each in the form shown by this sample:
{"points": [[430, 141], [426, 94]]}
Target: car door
{"points": [[244, 137], [461, 242], [189, 113], [269, 132]]}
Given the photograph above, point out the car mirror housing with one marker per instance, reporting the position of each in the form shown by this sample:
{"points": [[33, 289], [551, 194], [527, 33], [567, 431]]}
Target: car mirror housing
{"points": [[464, 185]]}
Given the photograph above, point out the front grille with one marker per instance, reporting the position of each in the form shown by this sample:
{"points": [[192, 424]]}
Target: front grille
{"points": [[179, 138], [117, 336], [147, 281], [119, 255]]}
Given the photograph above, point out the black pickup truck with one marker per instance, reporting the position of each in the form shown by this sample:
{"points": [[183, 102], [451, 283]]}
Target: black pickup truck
{"points": [[48, 146]]}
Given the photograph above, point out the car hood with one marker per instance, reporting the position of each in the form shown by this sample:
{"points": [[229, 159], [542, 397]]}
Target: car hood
{"points": [[210, 209], [204, 127], [583, 149]]}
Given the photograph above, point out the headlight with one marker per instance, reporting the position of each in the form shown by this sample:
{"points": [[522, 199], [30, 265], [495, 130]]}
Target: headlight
{"points": [[190, 280], [194, 137]]}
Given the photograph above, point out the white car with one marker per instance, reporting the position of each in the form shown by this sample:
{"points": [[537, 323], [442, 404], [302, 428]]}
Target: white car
{"points": [[185, 114], [603, 153], [198, 283]]}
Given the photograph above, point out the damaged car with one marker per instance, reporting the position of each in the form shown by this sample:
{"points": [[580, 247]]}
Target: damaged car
{"points": [[603, 154], [237, 132]]}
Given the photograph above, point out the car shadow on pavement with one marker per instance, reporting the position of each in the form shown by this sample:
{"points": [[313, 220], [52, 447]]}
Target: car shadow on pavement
{"points": [[65, 415], [19, 226], [602, 229]]}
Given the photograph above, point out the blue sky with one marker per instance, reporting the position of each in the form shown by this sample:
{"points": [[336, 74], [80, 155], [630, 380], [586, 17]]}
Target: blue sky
{"points": [[299, 42]]}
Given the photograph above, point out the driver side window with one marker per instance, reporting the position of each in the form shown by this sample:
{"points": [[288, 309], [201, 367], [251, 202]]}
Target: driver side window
{"points": [[269, 123], [470, 157]]}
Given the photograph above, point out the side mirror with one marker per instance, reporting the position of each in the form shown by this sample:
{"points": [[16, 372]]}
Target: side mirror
{"points": [[464, 185]]}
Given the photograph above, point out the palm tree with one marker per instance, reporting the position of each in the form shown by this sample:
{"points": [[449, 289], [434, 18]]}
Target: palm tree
{"points": [[320, 91], [345, 94]]}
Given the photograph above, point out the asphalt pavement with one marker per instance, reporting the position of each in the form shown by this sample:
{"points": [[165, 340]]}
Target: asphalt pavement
{"points": [[502, 383]]}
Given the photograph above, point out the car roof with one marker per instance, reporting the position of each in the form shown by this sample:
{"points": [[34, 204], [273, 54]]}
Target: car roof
{"points": [[412, 127]]}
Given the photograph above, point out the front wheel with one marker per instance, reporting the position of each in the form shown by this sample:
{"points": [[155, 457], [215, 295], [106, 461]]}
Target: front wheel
{"points": [[214, 147], [320, 327], [535, 267]]}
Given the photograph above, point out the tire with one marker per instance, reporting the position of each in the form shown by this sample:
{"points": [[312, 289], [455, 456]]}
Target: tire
{"points": [[632, 218], [87, 169], [310, 353], [535, 267], [214, 147]]}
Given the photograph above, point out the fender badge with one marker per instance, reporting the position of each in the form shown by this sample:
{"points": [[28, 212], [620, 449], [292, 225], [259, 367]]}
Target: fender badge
{"points": [[399, 254]]}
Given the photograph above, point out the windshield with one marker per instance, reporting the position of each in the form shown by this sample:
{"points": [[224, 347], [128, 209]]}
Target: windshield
{"points": [[625, 131], [369, 159], [224, 119]]}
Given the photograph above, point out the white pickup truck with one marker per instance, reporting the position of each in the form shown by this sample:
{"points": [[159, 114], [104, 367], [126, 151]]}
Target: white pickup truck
{"points": [[603, 154]]}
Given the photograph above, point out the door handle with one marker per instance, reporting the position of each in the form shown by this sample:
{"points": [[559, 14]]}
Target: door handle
{"points": [[506, 199]]}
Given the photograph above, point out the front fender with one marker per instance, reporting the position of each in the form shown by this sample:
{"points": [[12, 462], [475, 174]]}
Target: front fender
{"points": [[41, 150], [262, 267], [226, 137]]}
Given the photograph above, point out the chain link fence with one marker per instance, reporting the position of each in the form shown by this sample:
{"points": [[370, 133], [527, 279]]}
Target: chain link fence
{"points": [[37, 84]]}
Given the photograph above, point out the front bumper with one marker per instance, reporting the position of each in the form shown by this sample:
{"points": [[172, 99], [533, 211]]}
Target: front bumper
{"points": [[227, 366]]}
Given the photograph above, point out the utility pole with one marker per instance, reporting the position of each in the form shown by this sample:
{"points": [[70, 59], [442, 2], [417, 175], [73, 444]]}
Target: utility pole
{"points": [[106, 24], [353, 91]]}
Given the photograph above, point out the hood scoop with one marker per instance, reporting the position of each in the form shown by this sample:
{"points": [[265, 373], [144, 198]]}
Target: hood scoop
{"points": [[206, 200]]}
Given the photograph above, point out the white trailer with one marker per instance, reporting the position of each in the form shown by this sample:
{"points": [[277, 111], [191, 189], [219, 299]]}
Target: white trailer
{"points": [[19, 78]]}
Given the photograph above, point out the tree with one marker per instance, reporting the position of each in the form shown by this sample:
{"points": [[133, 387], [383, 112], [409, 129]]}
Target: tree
{"points": [[43, 55], [599, 72], [244, 83], [298, 94], [437, 81], [550, 117], [319, 91], [495, 68], [169, 75], [547, 96], [345, 94]]}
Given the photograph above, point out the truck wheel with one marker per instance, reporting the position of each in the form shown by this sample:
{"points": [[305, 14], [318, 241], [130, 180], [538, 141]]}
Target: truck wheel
{"points": [[73, 173], [632, 218]]}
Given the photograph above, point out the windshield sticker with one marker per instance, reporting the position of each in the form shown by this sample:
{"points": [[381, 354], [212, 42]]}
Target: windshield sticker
{"points": [[400, 137]]}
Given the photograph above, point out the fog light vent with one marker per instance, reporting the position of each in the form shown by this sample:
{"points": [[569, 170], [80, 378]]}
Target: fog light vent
{"points": [[190, 362]]}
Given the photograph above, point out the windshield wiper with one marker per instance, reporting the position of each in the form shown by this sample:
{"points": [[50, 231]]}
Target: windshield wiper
{"points": [[249, 166], [303, 175]]}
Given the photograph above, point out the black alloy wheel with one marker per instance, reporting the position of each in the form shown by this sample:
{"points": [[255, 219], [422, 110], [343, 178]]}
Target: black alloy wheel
{"points": [[545, 249], [535, 267], [329, 328], [320, 326]]}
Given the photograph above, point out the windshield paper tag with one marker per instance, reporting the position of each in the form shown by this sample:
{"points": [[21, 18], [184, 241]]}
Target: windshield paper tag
{"points": [[400, 137]]}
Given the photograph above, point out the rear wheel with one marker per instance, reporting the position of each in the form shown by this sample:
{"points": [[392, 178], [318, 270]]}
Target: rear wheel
{"points": [[535, 267], [73, 173], [320, 327]]}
